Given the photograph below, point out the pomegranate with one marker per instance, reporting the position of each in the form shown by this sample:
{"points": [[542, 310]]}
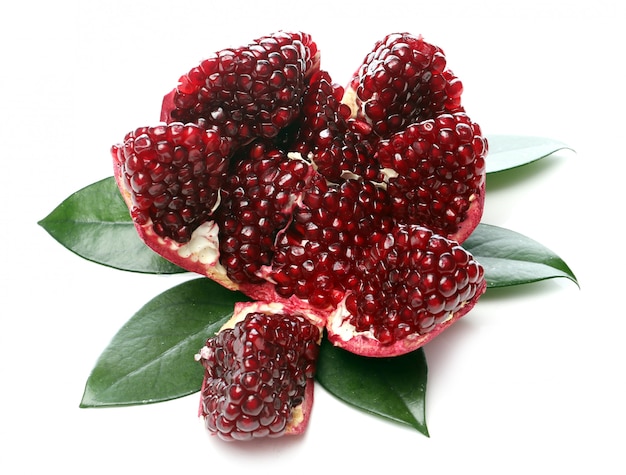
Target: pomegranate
{"points": [[346, 206]]}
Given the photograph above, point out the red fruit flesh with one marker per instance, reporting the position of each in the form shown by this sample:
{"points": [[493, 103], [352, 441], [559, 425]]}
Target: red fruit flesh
{"points": [[336, 143], [258, 199], [316, 258], [326, 209], [259, 373]]}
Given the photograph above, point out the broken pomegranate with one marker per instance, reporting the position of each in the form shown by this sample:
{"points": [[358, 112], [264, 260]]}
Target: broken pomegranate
{"points": [[343, 206]]}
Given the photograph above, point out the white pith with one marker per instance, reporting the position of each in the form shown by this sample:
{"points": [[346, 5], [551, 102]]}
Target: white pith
{"points": [[296, 156], [350, 99], [340, 326], [204, 246]]}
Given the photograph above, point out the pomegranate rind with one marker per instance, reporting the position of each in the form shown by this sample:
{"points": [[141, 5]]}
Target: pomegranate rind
{"points": [[167, 105], [301, 414], [274, 306]]}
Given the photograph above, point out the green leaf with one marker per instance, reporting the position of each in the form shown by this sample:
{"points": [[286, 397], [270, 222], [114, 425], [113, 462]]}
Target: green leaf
{"points": [[391, 388], [510, 258], [95, 224], [511, 151], [151, 358]]}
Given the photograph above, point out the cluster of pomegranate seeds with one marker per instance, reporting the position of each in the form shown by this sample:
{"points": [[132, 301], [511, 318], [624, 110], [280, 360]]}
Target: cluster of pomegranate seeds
{"points": [[413, 280], [258, 199], [403, 80], [247, 92], [316, 257], [334, 141], [345, 208], [256, 375], [173, 173], [438, 169]]}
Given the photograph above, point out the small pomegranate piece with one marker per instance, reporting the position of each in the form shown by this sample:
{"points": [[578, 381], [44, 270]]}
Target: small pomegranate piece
{"points": [[259, 373]]}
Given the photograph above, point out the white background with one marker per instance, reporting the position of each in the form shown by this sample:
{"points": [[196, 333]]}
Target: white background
{"points": [[531, 381]]}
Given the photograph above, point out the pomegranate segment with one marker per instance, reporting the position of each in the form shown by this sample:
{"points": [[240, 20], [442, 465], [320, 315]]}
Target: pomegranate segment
{"points": [[316, 258], [259, 373], [436, 174], [335, 142], [331, 207], [171, 175], [258, 199], [246, 92], [403, 80], [413, 284]]}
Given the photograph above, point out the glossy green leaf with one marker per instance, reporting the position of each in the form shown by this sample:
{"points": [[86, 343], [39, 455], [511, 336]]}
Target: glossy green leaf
{"points": [[510, 258], [151, 358], [95, 224], [391, 388], [511, 151]]}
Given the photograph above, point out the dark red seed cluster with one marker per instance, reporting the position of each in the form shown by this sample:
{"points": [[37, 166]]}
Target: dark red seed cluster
{"points": [[437, 167], [174, 173], [247, 92], [330, 137], [411, 281], [316, 257], [256, 373], [258, 199], [404, 80]]}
